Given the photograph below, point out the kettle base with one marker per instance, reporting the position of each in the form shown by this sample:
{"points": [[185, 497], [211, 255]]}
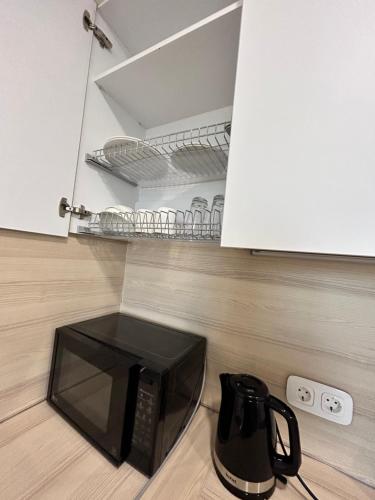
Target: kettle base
{"points": [[246, 495]]}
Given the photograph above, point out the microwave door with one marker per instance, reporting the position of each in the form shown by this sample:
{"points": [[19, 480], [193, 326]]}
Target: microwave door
{"points": [[95, 387]]}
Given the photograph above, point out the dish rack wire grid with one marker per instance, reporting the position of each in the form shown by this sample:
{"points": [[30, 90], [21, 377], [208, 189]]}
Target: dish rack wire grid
{"points": [[197, 225], [194, 155]]}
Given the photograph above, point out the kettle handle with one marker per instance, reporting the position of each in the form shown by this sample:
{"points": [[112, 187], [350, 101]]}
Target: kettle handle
{"points": [[287, 465]]}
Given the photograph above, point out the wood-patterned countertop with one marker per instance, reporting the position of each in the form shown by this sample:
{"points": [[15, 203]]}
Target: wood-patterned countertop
{"points": [[42, 457]]}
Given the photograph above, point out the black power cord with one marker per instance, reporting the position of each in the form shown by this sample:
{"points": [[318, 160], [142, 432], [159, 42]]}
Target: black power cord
{"points": [[314, 497]]}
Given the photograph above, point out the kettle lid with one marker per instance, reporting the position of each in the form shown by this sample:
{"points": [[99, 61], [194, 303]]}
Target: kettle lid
{"points": [[249, 386]]}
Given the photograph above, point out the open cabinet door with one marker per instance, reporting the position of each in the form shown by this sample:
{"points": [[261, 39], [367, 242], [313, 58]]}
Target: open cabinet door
{"points": [[45, 53]]}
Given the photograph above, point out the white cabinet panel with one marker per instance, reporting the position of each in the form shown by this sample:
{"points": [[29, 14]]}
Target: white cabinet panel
{"points": [[302, 160], [44, 55]]}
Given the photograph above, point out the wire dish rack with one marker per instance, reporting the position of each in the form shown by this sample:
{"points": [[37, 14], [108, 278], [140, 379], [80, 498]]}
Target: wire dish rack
{"points": [[195, 155], [197, 225]]}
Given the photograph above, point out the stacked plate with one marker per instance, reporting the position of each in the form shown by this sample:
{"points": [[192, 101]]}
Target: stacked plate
{"points": [[138, 159], [198, 157], [118, 219]]}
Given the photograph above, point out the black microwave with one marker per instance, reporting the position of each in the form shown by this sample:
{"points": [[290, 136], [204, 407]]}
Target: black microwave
{"points": [[128, 385]]}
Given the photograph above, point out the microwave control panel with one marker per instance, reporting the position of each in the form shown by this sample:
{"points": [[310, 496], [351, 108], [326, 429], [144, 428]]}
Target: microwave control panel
{"points": [[144, 421]]}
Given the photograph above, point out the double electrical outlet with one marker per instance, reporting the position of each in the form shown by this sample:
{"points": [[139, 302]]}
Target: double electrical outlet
{"points": [[319, 399]]}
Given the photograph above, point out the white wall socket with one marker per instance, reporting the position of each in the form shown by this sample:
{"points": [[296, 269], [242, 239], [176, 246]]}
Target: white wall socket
{"points": [[319, 399]]}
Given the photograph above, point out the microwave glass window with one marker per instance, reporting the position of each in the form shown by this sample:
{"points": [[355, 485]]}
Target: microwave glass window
{"points": [[86, 387]]}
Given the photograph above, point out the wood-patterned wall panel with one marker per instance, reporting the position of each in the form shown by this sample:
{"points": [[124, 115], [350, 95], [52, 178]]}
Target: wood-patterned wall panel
{"points": [[47, 282], [272, 316]]}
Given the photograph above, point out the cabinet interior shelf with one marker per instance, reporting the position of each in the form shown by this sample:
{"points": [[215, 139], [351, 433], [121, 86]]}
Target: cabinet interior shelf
{"points": [[189, 73], [186, 157], [134, 21], [97, 233]]}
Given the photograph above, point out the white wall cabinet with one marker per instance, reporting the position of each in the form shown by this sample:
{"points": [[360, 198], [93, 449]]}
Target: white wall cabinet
{"points": [[60, 101], [301, 172], [167, 94], [300, 175], [45, 58]]}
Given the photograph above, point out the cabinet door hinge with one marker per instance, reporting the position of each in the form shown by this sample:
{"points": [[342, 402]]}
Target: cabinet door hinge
{"points": [[66, 208], [104, 41]]}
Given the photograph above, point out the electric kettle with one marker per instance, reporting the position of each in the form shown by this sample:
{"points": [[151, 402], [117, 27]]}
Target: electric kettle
{"points": [[245, 456]]}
